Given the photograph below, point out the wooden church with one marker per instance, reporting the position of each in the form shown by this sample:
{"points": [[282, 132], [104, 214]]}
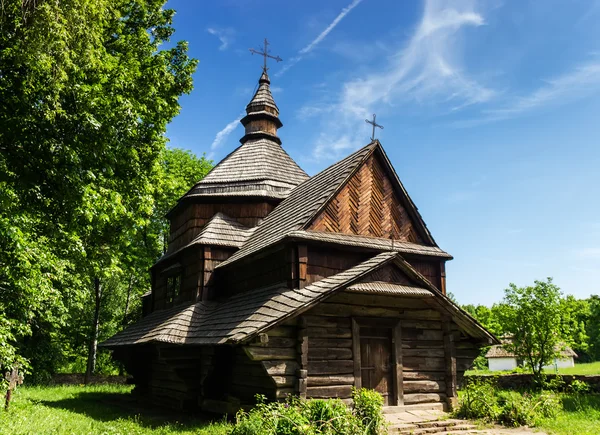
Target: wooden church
{"points": [[282, 284]]}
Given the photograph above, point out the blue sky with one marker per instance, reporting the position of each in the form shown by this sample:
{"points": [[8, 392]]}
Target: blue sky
{"points": [[491, 114]]}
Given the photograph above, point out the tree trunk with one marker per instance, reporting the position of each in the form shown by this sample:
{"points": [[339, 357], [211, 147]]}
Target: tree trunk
{"points": [[93, 349], [124, 322]]}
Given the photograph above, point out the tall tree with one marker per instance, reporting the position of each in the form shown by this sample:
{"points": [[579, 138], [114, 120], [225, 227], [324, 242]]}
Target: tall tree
{"points": [[533, 319], [86, 92]]}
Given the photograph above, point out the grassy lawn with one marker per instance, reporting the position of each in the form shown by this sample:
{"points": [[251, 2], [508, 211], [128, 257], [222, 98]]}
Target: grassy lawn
{"points": [[579, 416], [579, 369], [94, 410]]}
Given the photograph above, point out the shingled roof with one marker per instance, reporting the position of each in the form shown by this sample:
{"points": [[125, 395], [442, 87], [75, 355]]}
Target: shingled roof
{"points": [[259, 167], [239, 317], [369, 242], [220, 230], [302, 203], [244, 315], [292, 215], [499, 351]]}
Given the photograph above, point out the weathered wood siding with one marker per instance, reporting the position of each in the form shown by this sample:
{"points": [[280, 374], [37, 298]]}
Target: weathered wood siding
{"points": [[367, 205], [191, 271], [278, 359], [425, 358], [324, 262], [430, 269], [188, 221], [266, 270]]}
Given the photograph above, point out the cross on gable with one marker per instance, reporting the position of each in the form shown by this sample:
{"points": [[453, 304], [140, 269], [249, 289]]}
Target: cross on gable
{"points": [[374, 124], [265, 54]]}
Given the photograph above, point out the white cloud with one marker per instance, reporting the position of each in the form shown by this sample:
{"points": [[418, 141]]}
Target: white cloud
{"points": [[427, 70], [310, 47], [572, 85], [225, 132], [329, 28], [578, 83], [225, 35]]}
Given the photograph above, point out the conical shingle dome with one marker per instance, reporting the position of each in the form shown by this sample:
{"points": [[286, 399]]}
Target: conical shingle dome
{"points": [[260, 167]]}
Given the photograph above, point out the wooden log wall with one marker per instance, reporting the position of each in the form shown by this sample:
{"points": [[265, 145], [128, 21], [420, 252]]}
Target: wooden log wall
{"points": [[191, 269], [190, 218], [324, 262], [260, 272], [213, 256], [278, 356], [367, 205], [177, 374], [430, 269], [424, 356]]}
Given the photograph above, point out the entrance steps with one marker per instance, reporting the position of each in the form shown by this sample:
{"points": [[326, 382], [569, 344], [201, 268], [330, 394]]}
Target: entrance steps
{"points": [[413, 420]]}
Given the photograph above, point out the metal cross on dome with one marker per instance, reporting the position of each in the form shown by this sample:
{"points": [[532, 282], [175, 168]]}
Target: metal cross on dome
{"points": [[374, 124], [265, 54]]}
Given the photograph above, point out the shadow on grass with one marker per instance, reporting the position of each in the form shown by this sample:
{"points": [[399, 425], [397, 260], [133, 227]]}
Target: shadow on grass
{"points": [[581, 403], [108, 407]]}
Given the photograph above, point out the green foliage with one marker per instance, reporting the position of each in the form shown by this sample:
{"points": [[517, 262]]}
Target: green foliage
{"points": [[368, 407], [593, 327], [526, 409], [481, 399], [533, 319], [478, 400], [86, 92], [313, 417]]}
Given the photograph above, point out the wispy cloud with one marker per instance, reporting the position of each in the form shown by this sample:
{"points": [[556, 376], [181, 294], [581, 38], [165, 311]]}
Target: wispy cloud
{"points": [[226, 36], [315, 42], [427, 70], [572, 85], [222, 135], [580, 82]]}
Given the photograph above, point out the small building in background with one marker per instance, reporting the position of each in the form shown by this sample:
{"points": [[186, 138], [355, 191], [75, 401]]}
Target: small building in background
{"points": [[501, 359]]}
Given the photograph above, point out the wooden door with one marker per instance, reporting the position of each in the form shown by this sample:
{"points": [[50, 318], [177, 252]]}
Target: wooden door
{"points": [[376, 361]]}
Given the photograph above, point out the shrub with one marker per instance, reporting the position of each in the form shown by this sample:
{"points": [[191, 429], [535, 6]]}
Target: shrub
{"points": [[313, 417], [368, 407], [332, 417], [526, 409], [479, 400]]}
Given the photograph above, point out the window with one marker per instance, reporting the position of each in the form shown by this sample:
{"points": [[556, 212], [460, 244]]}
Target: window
{"points": [[173, 288]]}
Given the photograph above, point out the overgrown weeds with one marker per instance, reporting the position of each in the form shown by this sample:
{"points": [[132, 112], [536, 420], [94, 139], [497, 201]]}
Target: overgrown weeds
{"points": [[482, 400], [314, 417]]}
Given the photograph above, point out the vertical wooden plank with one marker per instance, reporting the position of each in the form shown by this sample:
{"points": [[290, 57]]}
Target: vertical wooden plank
{"points": [[302, 265], [450, 357], [206, 273], [292, 266], [356, 353], [302, 357], [443, 276], [399, 369]]}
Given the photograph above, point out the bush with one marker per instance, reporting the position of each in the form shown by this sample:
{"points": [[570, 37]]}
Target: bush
{"points": [[368, 407], [313, 417], [479, 400], [482, 400], [526, 409]]}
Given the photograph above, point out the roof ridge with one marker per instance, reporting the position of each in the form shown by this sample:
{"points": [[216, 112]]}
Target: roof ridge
{"points": [[294, 211]]}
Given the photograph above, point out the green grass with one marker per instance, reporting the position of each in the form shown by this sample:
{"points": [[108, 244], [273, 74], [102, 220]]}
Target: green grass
{"points": [[579, 416], [93, 410], [579, 369]]}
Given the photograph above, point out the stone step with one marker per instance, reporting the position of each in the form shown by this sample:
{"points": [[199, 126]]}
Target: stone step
{"points": [[435, 406], [438, 430]]}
